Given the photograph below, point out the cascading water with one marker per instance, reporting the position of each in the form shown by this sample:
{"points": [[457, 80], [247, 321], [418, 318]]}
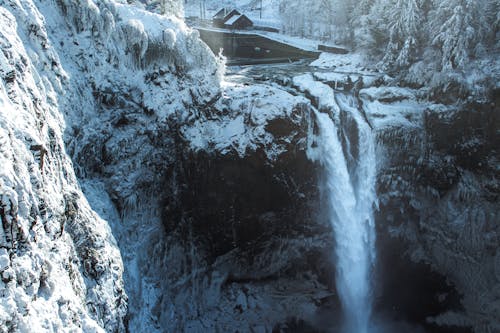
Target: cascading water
{"points": [[350, 192]]}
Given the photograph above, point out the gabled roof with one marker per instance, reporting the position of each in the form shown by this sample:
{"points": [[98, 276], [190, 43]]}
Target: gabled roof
{"points": [[242, 19], [233, 19], [231, 14], [221, 13]]}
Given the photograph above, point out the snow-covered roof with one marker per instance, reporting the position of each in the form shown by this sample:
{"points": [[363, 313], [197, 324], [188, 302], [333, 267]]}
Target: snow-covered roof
{"points": [[233, 19], [221, 13], [231, 14], [300, 43]]}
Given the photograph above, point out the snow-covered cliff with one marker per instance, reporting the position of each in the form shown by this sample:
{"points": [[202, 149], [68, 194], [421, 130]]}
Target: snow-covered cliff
{"points": [[74, 75], [100, 103], [438, 191], [61, 269]]}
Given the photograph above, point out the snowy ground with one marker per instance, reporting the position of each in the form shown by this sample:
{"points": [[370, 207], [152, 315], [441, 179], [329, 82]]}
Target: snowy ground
{"points": [[244, 130]]}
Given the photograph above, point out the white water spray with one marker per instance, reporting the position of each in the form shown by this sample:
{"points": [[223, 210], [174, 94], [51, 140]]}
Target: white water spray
{"points": [[351, 196]]}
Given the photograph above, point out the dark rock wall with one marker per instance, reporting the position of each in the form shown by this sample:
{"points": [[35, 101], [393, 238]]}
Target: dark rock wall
{"points": [[238, 204], [252, 224], [438, 191]]}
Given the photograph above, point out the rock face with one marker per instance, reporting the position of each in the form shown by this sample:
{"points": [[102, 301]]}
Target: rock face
{"points": [[438, 189], [59, 264], [89, 91], [244, 235], [130, 103]]}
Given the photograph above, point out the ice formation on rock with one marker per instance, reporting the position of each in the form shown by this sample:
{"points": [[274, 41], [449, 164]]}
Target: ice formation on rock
{"points": [[64, 65]]}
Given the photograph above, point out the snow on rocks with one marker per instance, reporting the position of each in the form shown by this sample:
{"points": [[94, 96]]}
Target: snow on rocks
{"points": [[405, 113], [322, 94], [241, 120], [392, 106], [346, 69], [131, 79], [349, 63], [4, 260], [387, 94], [60, 266]]}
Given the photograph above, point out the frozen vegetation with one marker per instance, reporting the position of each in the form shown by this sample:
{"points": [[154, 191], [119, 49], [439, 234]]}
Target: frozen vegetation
{"points": [[72, 74], [446, 47]]}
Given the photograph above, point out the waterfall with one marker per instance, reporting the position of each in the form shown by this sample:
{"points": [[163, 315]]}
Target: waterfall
{"points": [[348, 157]]}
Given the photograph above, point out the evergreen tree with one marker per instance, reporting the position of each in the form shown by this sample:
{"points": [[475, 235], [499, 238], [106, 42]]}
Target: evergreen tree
{"points": [[403, 31], [379, 23], [493, 17], [292, 17], [361, 24], [164, 7], [458, 26], [342, 11], [400, 32], [496, 26]]}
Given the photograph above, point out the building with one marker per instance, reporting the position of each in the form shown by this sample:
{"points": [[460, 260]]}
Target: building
{"points": [[266, 25], [266, 28], [232, 13], [238, 22], [218, 18]]}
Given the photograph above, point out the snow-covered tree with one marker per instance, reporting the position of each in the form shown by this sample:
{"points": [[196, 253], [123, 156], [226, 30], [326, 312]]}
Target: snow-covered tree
{"points": [[403, 33], [408, 36], [164, 7], [341, 16], [379, 21], [496, 26], [293, 17], [459, 28], [493, 16], [362, 7], [322, 19], [360, 24]]}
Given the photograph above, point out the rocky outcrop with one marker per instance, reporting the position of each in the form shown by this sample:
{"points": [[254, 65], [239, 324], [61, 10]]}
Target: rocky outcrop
{"points": [[438, 189], [60, 266], [89, 90], [227, 203], [244, 235]]}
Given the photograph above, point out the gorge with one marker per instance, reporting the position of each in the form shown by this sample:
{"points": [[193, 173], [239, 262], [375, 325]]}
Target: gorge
{"points": [[144, 187]]}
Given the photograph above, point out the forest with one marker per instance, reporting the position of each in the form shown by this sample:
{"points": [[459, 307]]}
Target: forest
{"points": [[426, 42], [444, 46]]}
